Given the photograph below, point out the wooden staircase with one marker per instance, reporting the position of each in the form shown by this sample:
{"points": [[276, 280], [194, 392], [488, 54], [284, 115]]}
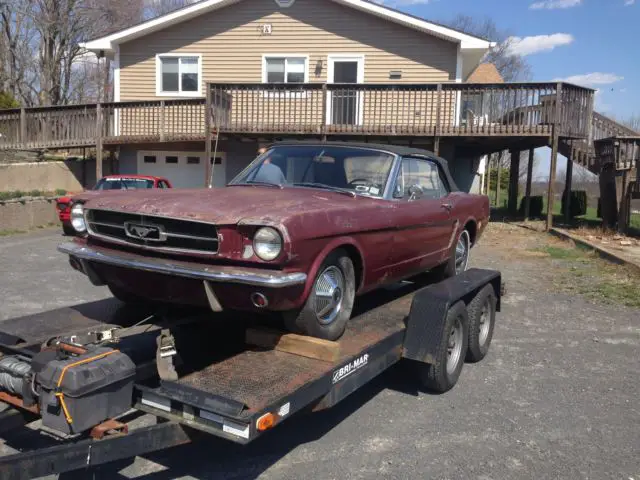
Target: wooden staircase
{"points": [[583, 152]]}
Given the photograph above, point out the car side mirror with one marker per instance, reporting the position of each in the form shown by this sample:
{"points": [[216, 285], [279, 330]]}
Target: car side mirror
{"points": [[415, 191]]}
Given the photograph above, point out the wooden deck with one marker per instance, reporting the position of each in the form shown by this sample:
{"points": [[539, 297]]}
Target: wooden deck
{"points": [[312, 109]]}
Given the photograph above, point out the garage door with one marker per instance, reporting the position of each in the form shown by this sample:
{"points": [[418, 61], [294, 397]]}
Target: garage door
{"points": [[183, 169]]}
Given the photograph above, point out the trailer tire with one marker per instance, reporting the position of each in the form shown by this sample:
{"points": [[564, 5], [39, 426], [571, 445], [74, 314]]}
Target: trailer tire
{"points": [[482, 317], [309, 321], [441, 375]]}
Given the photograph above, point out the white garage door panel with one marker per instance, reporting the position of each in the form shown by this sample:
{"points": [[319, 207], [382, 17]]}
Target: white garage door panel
{"points": [[181, 169]]}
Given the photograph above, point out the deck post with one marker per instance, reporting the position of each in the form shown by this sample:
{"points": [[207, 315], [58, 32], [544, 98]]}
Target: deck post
{"points": [[98, 142], [624, 215], [567, 188], [514, 176], [325, 100], [162, 120], [555, 138], [208, 134], [527, 194], [498, 171], [437, 129]]}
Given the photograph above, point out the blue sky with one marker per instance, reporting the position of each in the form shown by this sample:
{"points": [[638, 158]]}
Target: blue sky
{"points": [[590, 42]]}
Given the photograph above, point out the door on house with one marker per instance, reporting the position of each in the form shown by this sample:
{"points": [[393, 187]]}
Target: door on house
{"points": [[345, 104]]}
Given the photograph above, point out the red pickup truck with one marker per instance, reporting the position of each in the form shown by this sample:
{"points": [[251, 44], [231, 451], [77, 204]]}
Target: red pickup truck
{"points": [[109, 182]]}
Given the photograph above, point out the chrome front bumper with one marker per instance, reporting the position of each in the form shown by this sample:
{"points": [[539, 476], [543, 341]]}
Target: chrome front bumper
{"points": [[259, 278]]}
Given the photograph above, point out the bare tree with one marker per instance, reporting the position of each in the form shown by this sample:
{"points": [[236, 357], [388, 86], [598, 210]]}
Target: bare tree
{"points": [[155, 8], [512, 67], [633, 122]]}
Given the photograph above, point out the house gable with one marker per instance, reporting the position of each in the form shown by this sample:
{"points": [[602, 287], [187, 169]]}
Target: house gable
{"points": [[232, 43]]}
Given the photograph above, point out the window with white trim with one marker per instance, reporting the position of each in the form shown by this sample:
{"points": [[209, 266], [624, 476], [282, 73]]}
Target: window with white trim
{"points": [[179, 75], [285, 69]]}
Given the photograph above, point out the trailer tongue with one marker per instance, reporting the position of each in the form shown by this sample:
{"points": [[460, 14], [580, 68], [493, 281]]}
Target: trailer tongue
{"points": [[82, 369]]}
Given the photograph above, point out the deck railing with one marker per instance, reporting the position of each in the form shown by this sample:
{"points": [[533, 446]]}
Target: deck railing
{"points": [[447, 109]]}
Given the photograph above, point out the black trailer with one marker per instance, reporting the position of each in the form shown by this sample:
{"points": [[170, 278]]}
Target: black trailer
{"points": [[227, 388]]}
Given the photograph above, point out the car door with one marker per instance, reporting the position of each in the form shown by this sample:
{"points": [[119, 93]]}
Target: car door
{"points": [[423, 222]]}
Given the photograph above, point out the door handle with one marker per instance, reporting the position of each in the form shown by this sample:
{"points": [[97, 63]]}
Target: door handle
{"points": [[448, 206]]}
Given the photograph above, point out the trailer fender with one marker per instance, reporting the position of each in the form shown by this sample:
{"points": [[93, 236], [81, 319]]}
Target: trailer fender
{"points": [[430, 306]]}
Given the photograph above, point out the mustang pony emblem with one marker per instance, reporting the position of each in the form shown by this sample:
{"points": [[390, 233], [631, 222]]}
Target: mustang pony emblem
{"points": [[153, 233]]}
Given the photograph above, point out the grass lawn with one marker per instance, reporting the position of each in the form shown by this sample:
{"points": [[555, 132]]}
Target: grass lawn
{"points": [[585, 273]]}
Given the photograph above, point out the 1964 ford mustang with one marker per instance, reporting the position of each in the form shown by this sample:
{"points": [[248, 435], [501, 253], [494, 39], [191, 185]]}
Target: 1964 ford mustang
{"points": [[303, 230]]}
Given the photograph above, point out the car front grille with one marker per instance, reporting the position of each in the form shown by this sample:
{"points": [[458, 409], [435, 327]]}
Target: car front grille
{"points": [[159, 233]]}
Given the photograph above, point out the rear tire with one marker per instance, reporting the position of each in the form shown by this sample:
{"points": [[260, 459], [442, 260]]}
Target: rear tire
{"points": [[482, 317], [328, 308], [458, 258], [443, 374]]}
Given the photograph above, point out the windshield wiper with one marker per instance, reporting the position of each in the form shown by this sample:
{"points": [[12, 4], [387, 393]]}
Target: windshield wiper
{"points": [[326, 187], [253, 182]]}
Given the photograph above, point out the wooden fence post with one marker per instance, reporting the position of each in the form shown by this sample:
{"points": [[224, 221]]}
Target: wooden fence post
{"points": [[23, 127]]}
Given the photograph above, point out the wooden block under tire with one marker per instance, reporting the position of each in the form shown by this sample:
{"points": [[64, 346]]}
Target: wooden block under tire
{"points": [[302, 345]]}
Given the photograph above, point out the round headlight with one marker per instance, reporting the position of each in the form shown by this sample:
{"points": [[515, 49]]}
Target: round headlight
{"points": [[77, 218], [267, 243]]}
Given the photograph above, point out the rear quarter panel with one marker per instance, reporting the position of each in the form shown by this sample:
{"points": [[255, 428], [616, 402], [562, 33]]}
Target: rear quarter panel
{"points": [[474, 208]]}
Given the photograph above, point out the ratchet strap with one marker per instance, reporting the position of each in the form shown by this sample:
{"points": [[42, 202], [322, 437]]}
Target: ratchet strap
{"points": [[60, 394]]}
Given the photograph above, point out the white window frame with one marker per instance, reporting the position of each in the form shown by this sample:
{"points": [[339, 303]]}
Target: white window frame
{"points": [[267, 56], [159, 91], [346, 57]]}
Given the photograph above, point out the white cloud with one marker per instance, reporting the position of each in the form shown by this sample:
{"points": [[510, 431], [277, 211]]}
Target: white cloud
{"points": [[591, 79], [538, 43], [628, 3], [554, 4]]}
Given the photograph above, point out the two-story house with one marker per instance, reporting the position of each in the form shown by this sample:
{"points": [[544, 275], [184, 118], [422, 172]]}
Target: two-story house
{"points": [[279, 42]]}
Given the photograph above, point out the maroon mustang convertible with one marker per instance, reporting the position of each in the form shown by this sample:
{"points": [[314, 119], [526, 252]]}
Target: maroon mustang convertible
{"points": [[303, 230]]}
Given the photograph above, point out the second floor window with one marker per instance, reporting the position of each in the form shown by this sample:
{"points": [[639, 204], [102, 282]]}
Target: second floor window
{"points": [[285, 69], [179, 75]]}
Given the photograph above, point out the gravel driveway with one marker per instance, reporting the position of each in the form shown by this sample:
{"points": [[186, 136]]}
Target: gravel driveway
{"points": [[557, 396]]}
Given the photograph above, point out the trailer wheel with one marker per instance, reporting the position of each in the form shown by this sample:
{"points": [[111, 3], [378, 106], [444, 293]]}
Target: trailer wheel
{"points": [[482, 317], [327, 310], [443, 374]]}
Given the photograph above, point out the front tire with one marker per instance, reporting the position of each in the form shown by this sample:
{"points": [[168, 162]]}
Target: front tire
{"points": [[328, 308], [458, 259], [441, 375]]}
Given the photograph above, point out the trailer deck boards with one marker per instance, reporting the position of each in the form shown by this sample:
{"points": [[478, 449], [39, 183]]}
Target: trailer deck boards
{"points": [[256, 378]]}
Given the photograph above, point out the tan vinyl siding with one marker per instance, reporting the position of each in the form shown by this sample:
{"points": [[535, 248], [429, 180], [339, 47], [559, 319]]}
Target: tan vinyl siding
{"points": [[232, 46]]}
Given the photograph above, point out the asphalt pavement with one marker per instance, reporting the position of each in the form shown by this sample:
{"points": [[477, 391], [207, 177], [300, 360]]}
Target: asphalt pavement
{"points": [[558, 396]]}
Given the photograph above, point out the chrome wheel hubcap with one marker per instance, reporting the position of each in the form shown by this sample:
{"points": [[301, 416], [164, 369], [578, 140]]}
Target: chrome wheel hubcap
{"points": [[485, 323], [454, 347], [329, 292], [462, 252]]}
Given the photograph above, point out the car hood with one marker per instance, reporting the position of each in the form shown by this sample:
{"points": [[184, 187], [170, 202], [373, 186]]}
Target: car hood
{"points": [[230, 205]]}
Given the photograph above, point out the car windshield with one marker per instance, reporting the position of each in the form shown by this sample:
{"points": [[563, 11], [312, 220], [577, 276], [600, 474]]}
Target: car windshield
{"points": [[356, 170], [122, 183]]}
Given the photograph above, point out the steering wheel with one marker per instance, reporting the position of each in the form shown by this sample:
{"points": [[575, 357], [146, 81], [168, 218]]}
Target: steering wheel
{"points": [[361, 181]]}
